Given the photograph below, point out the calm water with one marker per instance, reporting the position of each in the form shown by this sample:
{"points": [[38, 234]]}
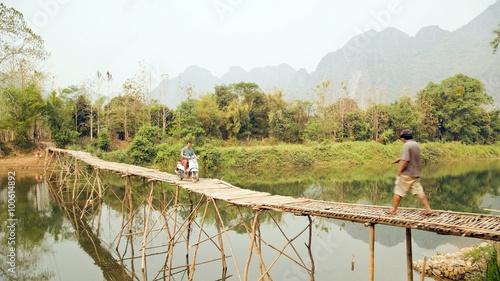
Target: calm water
{"points": [[59, 243]]}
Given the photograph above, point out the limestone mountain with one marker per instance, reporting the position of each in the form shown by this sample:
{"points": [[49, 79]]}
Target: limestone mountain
{"points": [[375, 66]]}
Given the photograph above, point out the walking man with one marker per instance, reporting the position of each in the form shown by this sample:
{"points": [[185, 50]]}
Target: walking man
{"points": [[409, 171]]}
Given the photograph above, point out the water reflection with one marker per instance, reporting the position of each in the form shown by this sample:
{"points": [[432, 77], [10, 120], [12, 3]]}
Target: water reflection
{"points": [[185, 236], [466, 187]]}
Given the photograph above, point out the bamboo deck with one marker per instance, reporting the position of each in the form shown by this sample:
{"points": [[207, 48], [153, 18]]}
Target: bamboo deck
{"points": [[441, 222]]}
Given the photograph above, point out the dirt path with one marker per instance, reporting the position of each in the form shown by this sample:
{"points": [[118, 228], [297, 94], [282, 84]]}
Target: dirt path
{"points": [[22, 161]]}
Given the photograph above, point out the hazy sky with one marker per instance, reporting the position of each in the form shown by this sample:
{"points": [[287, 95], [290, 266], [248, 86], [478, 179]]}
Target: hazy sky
{"points": [[169, 35]]}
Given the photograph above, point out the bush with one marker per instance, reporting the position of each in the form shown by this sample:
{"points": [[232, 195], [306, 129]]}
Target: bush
{"points": [[210, 155], [150, 133], [168, 154], [141, 150], [103, 141], [65, 136], [119, 156]]}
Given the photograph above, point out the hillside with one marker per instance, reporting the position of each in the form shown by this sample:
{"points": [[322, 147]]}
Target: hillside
{"points": [[375, 66]]}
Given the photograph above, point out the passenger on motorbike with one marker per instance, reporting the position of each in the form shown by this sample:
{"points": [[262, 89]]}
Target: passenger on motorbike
{"points": [[186, 153]]}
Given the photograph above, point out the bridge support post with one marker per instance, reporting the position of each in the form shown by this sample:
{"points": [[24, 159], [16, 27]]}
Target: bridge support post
{"points": [[371, 274], [409, 258]]}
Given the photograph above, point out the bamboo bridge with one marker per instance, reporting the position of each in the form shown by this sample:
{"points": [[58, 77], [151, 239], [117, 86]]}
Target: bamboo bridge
{"points": [[480, 226]]}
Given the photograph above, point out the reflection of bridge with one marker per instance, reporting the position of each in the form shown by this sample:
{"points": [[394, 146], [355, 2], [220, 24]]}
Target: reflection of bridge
{"points": [[442, 222]]}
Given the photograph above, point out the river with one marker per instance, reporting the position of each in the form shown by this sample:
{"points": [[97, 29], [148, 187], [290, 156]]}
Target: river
{"points": [[52, 244]]}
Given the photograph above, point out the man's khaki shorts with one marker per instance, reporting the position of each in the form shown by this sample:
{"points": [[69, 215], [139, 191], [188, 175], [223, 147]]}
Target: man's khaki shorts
{"points": [[404, 183]]}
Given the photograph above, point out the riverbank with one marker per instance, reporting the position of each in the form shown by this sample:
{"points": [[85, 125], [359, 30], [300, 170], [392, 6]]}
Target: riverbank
{"points": [[22, 161], [470, 263], [314, 154]]}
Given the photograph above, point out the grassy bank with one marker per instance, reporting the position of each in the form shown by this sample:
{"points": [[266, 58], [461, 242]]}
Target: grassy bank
{"points": [[350, 153], [325, 154]]}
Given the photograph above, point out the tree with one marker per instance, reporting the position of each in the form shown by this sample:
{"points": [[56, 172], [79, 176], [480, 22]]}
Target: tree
{"points": [[142, 149], [457, 104], [341, 110], [188, 125], [26, 106], [403, 114], [82, 115], [210, 116], [325, 115], [252, 98], [357, 128], [377, 117], [123, 115], [60, 108], [224, 96], [161, 116], [494, 43], [103, 141], [16, 39]]}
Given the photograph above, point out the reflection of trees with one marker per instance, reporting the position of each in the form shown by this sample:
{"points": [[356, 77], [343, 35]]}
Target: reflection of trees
{"points": [[456, 186], [88, 240], [32, 227]]}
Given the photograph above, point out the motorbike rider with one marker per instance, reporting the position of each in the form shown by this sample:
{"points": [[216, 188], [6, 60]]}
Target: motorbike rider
{"points": [[186, 153]]}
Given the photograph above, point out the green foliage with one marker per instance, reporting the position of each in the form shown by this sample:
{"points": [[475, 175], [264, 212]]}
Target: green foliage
{"points": [[119, 156], [493, 270], [150, 133], [103, 141], [168, 154], [489, 254], [387, 136], [210, 155], [142, 149], [60, 108], [312, 131], [430, 154], [188, 125], [25, 107], [457, 104], [65, 136]]}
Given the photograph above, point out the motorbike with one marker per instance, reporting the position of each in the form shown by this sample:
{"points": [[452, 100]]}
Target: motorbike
{"points": [[192, 170]]}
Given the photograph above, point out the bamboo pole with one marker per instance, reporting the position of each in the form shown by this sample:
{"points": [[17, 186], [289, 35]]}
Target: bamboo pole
{"points": [[174, 231], [424, 264], [99, 184], [252, 242], [221, 242], [219, 218], [145, 235], [308, 245], [188, 235], [123, 217], [76, 178], [409, 262], [372, 253], [191, 272], [282, 251]]}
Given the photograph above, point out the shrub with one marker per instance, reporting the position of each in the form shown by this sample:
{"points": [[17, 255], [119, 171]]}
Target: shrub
{"points": [[119, 156], [430, 154], [168, 154], [141, 150], [103, 141], [65, 136], [210, 155]]}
